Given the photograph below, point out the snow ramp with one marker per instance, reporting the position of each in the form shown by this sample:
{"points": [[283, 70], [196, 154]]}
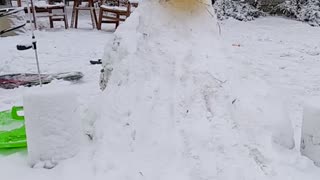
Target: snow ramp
{"points": [[167, 110]]}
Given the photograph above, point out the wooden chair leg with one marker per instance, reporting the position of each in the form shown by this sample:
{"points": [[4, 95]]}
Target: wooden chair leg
{"points": [[99, 24], [117, 22], [95, 15], [65, 17], [76, 19], [33, 11], [65, 21], [92, 18], [50, 18], [73, 13]]}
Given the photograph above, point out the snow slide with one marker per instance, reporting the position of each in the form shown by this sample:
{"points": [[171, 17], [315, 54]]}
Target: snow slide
{"points": [[166, 108], [174, 107], [158, 113]]}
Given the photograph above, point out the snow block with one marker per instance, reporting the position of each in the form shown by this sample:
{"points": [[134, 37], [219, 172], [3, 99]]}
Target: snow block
{"points": [[282, 130], [52, 126], [310, 134]]}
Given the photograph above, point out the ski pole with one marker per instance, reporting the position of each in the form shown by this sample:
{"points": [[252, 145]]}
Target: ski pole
{"points": [[34, 42]]}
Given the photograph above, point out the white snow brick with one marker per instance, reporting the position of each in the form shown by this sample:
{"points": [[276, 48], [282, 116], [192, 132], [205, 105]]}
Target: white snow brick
{"points": [[282, 132], [52, 126], [310, 134]]}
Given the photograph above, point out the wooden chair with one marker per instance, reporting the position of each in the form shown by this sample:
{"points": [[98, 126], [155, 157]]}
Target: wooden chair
{"points": [[90, 7], [134, 3], [52, 9], [120, 11], [48, 9]]}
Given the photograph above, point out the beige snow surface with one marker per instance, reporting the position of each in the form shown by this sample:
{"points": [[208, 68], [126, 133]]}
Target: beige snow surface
{"points": [[182, 101]]}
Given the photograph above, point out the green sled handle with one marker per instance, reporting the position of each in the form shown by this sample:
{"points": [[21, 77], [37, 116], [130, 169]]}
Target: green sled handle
{"points": [[14, 112], [15, 138]]}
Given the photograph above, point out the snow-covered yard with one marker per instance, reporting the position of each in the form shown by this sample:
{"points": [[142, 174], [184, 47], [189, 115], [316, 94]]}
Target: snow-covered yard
{"points": [[265, 69]]}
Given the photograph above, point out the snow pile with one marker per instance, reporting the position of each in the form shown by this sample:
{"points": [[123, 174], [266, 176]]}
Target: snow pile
{"points": [[160, 85], [53, 129], [236, 9], [310, 135], [174, 107]]}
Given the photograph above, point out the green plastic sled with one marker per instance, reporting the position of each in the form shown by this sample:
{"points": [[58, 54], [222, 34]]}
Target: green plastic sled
{"points": [[12, 129]]}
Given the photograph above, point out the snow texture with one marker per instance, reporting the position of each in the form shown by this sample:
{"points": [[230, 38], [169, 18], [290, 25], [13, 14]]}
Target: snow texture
{"points": [[282, 127], [310, 137], [52, 126], [166, 71]]}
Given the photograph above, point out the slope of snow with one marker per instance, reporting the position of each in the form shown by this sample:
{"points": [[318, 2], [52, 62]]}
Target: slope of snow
{"points": [[157, 109], [182, 102], [175, 107]]}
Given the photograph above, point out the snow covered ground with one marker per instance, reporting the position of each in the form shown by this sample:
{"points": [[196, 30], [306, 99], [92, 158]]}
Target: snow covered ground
{"points": [[232, 108]]}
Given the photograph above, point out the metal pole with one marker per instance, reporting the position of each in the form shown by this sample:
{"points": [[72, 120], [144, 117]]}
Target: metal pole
{"points": [[34, 14], [34, 42]]}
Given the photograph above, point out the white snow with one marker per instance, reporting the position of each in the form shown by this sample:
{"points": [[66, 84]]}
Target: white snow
{"points": [[119, 8], [44, 4], [52, 126], [182, 102], [134, 1]]}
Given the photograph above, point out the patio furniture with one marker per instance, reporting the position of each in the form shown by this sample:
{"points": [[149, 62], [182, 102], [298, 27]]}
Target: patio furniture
{"points": [[114, 14], [54, 10], [90, 7], [134, 3]]}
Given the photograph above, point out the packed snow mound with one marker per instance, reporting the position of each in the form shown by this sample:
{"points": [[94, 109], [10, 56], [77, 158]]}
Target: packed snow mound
{"points": [[174, 108], [158, 103], [185, 16]]}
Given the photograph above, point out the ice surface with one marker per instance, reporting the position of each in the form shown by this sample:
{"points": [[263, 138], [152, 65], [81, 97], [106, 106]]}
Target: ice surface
{"points": [[53, 128]]}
